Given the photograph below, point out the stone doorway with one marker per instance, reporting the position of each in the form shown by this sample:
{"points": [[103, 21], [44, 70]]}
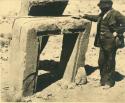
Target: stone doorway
{"points": [[24, 47]]}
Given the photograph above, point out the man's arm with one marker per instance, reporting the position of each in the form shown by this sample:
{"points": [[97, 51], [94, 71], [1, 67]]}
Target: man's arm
{"points": [[88, 17], [121, 20], [91, 17]]}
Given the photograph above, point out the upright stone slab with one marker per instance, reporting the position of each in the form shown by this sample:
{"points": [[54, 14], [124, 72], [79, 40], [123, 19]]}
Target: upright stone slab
{"points": [[74, 60], [24, 49]]}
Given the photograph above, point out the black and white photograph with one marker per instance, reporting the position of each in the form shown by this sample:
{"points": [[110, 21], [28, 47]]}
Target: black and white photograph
{"points": [[62, 51]]}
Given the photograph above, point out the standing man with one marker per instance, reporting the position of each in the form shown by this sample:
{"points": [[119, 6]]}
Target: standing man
{"points": [[109, 37]]}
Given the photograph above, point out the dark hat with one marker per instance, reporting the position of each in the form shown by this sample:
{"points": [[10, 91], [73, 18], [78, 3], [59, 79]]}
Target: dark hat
{"points": [[105, 1]]}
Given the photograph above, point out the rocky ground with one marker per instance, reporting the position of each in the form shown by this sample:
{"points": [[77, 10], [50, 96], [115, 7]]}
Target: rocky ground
{"points": [[58, 92]]}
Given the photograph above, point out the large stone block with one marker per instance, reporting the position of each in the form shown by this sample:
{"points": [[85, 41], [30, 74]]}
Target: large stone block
{"points": [[24, 49], [43, 7]]}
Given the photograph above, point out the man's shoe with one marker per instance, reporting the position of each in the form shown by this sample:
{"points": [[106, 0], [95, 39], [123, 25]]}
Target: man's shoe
{"points": [[111, 83], [106, 86], [102, 83]]}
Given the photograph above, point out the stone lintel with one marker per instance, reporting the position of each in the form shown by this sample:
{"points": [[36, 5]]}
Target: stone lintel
{"points": [[52, 25]]}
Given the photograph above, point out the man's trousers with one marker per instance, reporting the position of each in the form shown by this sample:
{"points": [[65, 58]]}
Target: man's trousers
{"points": [[107, 61]]}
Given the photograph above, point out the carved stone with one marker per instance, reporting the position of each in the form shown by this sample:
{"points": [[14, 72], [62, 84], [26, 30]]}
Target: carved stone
{"points": [[24, 49]]}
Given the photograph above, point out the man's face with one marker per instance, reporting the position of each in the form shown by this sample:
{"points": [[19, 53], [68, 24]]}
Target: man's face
{"points": [[104, 6]]}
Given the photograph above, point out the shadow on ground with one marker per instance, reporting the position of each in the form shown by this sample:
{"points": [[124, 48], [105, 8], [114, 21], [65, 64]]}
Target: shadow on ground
{"points": [[52, 70], [52, 75], [90, 69], [119, 76]]}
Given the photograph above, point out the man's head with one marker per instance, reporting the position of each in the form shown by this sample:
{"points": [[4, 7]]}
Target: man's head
{"points": [[105, 5]]}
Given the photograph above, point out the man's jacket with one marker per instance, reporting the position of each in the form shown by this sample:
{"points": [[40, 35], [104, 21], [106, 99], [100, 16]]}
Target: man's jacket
{"points": [[107, 24]]}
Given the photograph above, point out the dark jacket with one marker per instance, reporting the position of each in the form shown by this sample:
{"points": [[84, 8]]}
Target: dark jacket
{"points": [[107, 24]]}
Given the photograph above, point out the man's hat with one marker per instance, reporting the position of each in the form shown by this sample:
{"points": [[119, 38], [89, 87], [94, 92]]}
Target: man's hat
{"points": [[105, 1]]}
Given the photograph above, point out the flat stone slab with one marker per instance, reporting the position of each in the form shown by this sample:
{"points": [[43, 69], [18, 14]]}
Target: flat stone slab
{"points": [[51, 24], [43, 7]]}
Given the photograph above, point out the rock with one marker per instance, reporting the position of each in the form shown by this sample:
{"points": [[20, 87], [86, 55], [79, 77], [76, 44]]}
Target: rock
{"points": [[4, 42], [4, 58], [63, 84], [81, 76], [27, 99], [71, 86], [45, 96]]}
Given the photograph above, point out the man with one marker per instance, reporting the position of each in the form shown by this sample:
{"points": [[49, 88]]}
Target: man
{"points": [[109, 37]]}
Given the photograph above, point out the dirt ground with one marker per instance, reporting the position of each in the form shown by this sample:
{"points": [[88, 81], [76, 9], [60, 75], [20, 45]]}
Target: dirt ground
{"points": [[55, 92]]}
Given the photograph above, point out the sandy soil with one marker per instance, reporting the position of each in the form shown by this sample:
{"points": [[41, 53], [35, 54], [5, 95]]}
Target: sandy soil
{"points": [[90, 92]]}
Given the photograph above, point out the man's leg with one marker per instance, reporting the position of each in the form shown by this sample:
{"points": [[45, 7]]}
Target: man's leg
{"points": [[111, 68], [107, 68], [102, 66]]}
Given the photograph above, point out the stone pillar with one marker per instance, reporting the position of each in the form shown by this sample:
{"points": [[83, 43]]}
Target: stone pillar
{"points": [[76, 58], [23, 60], [24, 10]]}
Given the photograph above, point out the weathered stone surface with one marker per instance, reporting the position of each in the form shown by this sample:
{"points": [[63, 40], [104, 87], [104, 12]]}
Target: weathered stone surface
{"points": [[50, 24], [77, 58], [43, 7], [24, 49], [23, 55], [80, 77]]}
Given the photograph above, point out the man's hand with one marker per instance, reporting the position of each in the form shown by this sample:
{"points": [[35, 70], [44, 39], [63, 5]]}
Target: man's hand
{"points": [[76, 17], [80, 16], [85, 16]]}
